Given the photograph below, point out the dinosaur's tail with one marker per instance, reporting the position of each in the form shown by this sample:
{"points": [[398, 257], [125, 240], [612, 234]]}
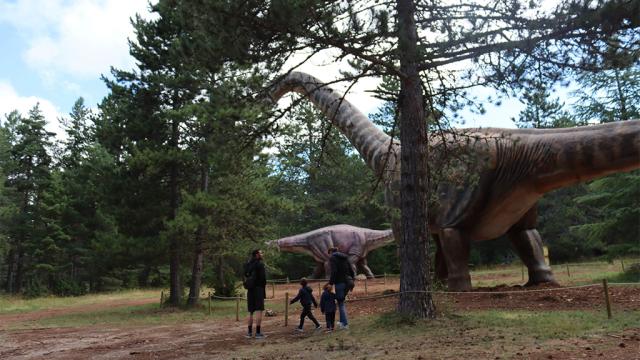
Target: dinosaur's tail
{"points": [[588, 152], [379, 238], [372, 144]]}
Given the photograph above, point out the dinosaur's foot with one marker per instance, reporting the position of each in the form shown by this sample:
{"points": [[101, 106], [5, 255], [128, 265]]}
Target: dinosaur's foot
{"points": [[541, 277], [461, 283]]}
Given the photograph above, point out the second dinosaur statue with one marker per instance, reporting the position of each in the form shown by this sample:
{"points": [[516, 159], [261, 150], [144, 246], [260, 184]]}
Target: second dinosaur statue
{"points": [[355, 242], [496, 191]]}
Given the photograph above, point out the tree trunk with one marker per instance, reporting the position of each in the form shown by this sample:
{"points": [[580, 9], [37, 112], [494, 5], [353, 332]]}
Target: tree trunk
{"points": [[621, 97], [196, 272], [415, 280], [11, 270], [175, 288], [19, 266]]}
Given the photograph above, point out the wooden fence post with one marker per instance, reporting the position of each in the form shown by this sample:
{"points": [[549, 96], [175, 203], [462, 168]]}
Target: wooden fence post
{"points": [[622, 263], [286, 308], [237, 309], [209, 300], [161, 299], [605, 285], [568, 272]]}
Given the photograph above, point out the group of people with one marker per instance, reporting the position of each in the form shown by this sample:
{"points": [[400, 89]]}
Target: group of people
{"points": [[341, 278]]}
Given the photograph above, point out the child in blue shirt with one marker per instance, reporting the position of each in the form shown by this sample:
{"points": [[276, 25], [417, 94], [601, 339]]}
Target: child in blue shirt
{"points": [[328, 306], [305, 296]]}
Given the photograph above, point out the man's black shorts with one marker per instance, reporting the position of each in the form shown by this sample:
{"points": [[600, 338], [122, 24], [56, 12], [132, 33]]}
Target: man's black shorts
{"points": [[255, 299]]}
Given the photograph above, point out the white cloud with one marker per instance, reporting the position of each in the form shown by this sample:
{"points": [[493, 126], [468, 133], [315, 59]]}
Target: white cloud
{"points": [[10, 100], [76, 38]]}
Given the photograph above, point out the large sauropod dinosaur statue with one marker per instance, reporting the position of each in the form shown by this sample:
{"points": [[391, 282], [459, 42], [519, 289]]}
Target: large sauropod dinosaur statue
{"points": [[356, 242], [513, 168]]}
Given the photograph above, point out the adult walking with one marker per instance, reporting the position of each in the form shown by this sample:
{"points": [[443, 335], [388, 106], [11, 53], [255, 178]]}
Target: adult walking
{"points": [[342, 277], [255, 283]]}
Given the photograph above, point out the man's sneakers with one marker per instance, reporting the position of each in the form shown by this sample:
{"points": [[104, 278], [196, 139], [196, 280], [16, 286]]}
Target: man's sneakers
{"points": [[342, 326], [248, 335], [260, 336], [318, 328], [299, 329]]}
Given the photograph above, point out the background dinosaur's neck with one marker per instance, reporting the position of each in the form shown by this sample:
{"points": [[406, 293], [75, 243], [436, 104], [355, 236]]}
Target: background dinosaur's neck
{"points": [[371, 142], [588, 152]]}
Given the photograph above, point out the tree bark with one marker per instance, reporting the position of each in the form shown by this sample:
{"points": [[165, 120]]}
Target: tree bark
{"points": [[196, 272], [175, 288], [11, 270], [415, 280]]}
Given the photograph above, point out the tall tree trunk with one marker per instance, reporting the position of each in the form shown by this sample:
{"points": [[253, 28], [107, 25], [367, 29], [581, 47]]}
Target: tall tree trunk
{"points": [[175, 288], [415, 282], [621, 97], [12, 261], [196, 272], [19, 266]]}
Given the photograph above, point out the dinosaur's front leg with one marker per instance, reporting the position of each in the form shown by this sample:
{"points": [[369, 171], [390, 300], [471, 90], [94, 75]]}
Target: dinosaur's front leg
{"points": [[362, 264], [528, 245], [318, 272], [455, 250]]}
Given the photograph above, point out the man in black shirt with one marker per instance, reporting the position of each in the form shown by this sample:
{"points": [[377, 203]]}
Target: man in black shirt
{"points": [[255, 283], [342, 276]]}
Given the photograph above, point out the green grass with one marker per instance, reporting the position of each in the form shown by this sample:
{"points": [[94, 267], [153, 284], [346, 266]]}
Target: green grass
{"points": [[16, 304], [148, 314], [472, 333], [551, 324]]}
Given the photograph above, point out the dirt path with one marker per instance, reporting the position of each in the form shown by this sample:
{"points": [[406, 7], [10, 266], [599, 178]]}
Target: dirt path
{"points": [[219, 338]]}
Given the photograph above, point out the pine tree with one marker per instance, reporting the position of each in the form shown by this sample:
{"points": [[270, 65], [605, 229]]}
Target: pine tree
{"points": [[29, 176]]}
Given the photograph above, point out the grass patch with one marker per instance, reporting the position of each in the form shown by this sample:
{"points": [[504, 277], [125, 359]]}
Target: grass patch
{"points": [[17, 304], [148, 314], [552, 324]]}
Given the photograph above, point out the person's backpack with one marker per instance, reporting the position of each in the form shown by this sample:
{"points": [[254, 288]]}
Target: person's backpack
{"points": [[249, 281]]}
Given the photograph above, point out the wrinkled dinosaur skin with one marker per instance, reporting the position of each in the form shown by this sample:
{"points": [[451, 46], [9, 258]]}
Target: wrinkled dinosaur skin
{"points": [[496, 192], [355, 242]]}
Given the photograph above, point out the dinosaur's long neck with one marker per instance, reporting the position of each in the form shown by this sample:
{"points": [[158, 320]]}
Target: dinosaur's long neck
{"points": [[371, 142], [295, 243], [588, 152]]}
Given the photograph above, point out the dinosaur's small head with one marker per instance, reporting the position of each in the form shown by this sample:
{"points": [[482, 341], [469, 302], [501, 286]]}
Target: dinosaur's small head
{"points": [[273, 244]]}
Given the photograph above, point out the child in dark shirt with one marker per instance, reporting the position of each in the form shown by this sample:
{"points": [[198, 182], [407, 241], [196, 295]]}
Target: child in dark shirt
{"points": [[305, 296], [328, 306]]}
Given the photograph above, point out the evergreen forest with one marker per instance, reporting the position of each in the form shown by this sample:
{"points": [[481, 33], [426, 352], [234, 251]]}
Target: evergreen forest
{"points": [[181, 170]]}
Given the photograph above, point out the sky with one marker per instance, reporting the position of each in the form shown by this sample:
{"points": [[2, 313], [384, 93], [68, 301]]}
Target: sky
{"points": [[54, 51]]}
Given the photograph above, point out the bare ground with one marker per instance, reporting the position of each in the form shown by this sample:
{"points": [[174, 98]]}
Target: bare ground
{"points": [[223, 338]]}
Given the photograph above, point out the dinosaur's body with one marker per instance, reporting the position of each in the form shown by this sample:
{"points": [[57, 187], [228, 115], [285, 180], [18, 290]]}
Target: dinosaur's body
{"points": [[356, 242], [510, 170]]}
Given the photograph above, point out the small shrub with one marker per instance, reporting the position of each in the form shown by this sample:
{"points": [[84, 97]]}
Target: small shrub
{"points": [[110, 284], [67, 287]]}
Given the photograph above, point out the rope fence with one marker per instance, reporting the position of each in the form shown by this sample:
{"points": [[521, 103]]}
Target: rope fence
{"points": [[523, 267], [605, 286]]}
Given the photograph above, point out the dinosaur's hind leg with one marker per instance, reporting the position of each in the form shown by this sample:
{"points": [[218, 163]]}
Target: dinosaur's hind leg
{"points": [[441, 265], [528, 244], [455, 250]]}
